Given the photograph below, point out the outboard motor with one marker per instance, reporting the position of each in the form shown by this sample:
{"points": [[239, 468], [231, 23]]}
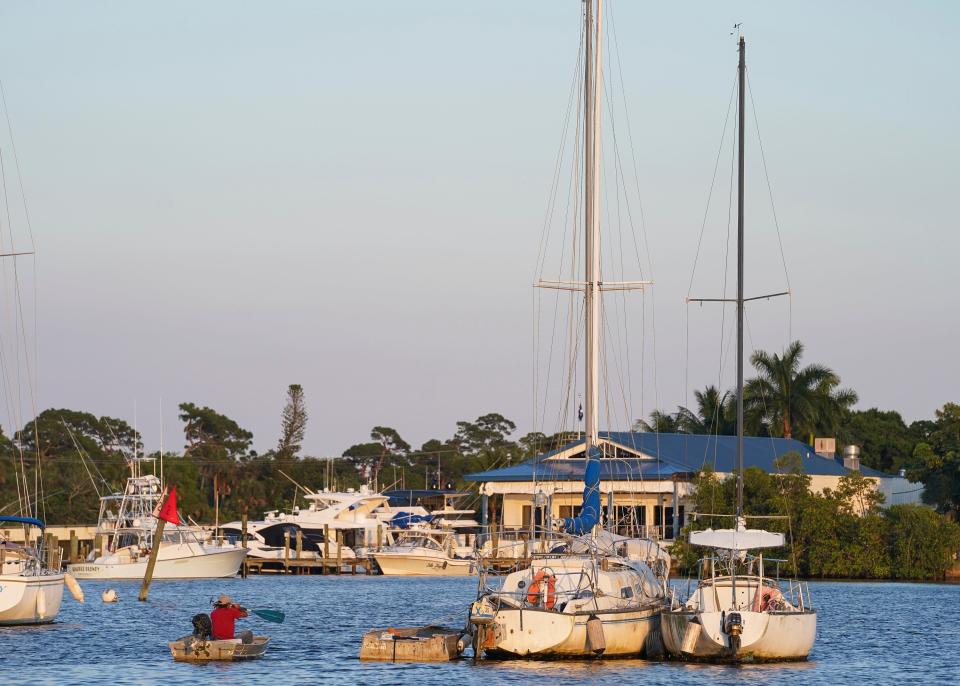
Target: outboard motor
{"points": [[733, 627], [202, 627]]}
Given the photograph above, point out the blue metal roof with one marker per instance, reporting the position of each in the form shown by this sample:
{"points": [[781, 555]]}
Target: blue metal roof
{"points": [[672, 453]]}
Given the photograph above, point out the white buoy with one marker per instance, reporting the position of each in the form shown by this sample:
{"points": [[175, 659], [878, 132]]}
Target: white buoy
{"points": [[73, 587], [109, 596]]}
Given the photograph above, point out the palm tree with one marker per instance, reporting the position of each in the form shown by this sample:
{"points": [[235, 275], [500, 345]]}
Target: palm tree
{"points": [[660, 422], [716, 413], [791, 399]]}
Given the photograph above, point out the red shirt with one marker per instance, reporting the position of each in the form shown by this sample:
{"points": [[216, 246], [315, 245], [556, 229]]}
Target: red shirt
{"points": [[222, 619]]}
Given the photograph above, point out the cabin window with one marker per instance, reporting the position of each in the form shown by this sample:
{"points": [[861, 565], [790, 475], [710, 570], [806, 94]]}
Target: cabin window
{"points": [[626, 592], [569, 511]]}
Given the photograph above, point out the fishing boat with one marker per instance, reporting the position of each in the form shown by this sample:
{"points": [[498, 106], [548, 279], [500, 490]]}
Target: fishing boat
{"points": [[737, 612], [583, 597], [425, 552], [126, 527], [31, 584], [190, 649]]}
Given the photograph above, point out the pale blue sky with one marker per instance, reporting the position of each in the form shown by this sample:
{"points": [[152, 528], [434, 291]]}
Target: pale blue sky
{"points": [[232, 196]]}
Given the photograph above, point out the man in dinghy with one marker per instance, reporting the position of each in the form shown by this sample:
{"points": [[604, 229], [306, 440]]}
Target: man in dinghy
{"points": [[225, 613]]}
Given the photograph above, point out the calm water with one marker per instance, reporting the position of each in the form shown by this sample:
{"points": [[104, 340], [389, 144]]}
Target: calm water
{"points": [[867, 633]]}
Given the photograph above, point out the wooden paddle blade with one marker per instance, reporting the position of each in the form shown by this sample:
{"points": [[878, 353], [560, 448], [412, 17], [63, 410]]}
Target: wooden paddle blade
{"points": [[275, 616]]}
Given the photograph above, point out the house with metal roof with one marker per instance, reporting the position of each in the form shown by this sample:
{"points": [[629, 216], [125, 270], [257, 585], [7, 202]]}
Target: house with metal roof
{"points": [[646, 478]]}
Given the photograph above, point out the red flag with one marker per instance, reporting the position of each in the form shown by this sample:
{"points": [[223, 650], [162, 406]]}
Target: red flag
{"points": [[168, 512]]}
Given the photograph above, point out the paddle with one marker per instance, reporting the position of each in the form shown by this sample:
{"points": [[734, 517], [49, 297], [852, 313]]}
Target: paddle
{"points": [[275, 616]]}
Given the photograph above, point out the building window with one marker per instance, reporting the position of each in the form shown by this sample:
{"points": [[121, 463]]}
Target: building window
{"points": [[528, 510], [569, 511]]}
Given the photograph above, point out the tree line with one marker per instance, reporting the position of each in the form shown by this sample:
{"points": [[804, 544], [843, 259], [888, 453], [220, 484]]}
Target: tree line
{"points": [[73, 456], [839, 533]]}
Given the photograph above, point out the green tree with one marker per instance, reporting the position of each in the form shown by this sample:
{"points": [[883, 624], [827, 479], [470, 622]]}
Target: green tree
{"points": [[293, 422], [793, 399], [885, 441], [922, 543], [660, 422], [215, 443], [391, 444], [486, 441], [716, 413]]}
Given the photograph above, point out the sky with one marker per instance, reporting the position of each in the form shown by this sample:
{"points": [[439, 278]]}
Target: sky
{"points": [[230, 197]]}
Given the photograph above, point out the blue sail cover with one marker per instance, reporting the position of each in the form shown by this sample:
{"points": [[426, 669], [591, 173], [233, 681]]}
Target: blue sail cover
{"points": [[23, 520], [590, 513], [403, 520]]}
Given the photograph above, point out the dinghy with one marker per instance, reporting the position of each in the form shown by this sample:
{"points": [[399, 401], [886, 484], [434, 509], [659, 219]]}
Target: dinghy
{"points": [[191, 649]]}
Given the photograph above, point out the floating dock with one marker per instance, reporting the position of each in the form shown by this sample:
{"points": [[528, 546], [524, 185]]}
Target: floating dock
{"points": [[423, 644]]}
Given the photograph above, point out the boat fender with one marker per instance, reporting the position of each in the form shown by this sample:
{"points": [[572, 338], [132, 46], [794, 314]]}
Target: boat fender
{"points": [[109, 596], [596, 641], [533, 595], [41, 604], [73, 586]]}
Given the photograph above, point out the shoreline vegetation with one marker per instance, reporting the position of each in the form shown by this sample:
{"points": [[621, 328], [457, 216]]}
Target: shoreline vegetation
{"points": [[69, 458]]}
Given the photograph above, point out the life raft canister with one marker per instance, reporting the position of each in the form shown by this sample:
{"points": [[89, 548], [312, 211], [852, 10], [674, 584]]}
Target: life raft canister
{"points": [[533, 595]]}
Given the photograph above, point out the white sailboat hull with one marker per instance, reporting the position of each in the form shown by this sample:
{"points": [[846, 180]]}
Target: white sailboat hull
{"points": [[405, 564], [30, 599], [217, 564], [767, 636], [518, 632]]}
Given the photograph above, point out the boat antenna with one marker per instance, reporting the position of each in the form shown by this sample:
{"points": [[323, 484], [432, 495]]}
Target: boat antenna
{"points": [[161, 440]]}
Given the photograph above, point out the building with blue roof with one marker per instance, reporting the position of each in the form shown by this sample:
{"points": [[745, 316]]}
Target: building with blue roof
{"points": [[646, 478]]}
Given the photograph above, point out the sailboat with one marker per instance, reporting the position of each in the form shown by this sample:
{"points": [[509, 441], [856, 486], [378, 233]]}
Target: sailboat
{"points": [[738, 613], [583, 597], [31, 587], [126, 527]]}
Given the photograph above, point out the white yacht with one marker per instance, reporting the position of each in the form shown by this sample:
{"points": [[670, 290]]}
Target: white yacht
{"points": [[268, 538], [126, 529], [425, 552], [30, 592]]}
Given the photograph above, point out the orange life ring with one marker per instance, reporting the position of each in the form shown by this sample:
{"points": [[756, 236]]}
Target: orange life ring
{"points": [[533, 595], [764, 597]]}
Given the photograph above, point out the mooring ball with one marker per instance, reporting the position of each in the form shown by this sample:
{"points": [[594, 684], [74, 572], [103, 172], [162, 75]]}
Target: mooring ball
{"points": [[109, 596]]}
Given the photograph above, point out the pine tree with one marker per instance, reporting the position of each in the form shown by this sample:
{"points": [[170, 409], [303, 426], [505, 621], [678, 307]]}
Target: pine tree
{"points": [[294, 422]]}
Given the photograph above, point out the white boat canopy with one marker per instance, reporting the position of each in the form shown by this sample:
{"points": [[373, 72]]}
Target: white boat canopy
{"points": [[737, 539]]}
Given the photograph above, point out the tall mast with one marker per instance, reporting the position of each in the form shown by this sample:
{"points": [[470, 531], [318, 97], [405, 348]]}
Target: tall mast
{"points": [[741, 70], [592, 85]]}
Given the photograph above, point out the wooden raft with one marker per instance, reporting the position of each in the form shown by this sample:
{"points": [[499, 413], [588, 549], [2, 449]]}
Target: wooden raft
{"points": [[424, 644]]}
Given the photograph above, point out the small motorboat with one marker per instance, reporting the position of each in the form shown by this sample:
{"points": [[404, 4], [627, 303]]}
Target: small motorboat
{"points": [[192, 649]]}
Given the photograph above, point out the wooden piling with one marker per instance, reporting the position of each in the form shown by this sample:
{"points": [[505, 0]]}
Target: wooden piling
{"points": [[98, 544], [74, 555], [339, 552], [299, 544], [152, 562], [286, 551], [326, 548], [379, 536], [243, 542]]}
